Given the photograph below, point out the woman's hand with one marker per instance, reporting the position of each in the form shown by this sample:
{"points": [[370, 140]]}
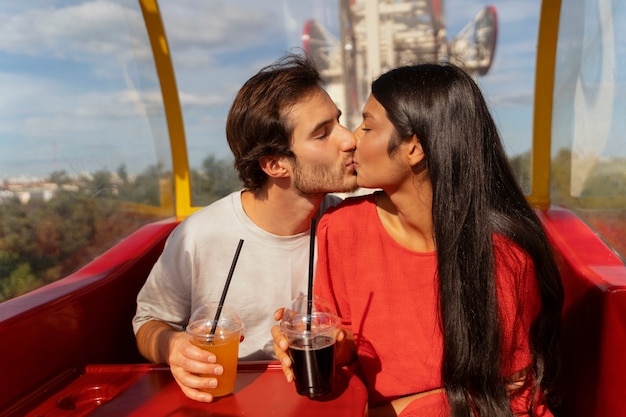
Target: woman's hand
{"points": [[280, 347], [345, 351]]}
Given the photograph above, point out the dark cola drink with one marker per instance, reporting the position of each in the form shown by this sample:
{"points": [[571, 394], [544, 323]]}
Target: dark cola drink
{"points": [[313, 364]]}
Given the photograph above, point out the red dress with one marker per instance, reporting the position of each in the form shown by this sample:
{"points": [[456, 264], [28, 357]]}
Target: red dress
{"points": [[387, 295]]}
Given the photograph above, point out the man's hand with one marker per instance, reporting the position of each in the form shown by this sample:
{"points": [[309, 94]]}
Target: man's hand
{"points": [[191, 366]]}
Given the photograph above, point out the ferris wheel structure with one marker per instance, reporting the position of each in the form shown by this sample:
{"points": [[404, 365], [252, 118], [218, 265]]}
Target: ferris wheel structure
{"points": [[377, 35]]}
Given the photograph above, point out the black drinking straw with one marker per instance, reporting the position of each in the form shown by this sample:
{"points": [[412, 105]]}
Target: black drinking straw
{"points": [[309, 306], [225, 290]]}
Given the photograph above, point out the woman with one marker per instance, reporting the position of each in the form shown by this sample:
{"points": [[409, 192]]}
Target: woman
{"points": [[444, 280]]}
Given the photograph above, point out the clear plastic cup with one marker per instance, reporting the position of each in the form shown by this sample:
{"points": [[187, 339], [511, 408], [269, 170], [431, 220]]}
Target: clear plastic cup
{"points": [[311, 347], [223, 343]]}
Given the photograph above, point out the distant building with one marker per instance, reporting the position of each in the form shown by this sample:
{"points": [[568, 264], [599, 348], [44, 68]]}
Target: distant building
{"points": [[27, 189]]}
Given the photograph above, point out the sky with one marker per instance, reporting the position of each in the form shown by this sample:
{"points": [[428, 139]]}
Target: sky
{"points": [[71, 100], [508, 85]]}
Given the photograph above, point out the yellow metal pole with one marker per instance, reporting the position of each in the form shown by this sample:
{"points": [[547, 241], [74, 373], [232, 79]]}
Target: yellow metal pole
{"points": [[171, 102], [544, 90]]}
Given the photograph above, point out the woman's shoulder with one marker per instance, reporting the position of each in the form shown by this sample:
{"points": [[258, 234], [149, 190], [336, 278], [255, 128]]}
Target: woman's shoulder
{"points": [[347, 216], [505, 247], [510, 256], [352, 210]]}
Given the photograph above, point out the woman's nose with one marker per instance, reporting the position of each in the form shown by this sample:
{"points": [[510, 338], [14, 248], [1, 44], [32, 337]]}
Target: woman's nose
{"points": [[357, 135]]}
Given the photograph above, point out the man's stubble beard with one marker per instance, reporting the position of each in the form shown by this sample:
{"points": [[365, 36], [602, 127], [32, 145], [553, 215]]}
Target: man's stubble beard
{"points": [[318, 179]]}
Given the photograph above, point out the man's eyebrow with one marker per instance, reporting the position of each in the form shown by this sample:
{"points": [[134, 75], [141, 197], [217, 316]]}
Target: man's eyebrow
{"points": [[321, 124], [325, 122]]}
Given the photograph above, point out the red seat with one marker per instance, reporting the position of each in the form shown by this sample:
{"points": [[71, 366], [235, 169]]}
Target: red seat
{"points": [[50, 335], [594, 319]]}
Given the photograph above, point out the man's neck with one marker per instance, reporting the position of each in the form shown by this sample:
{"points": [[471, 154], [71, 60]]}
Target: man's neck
{"points": [[280, 211]]}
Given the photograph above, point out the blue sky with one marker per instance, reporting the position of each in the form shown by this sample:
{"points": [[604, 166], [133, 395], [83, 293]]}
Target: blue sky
{"points": [[70, 101], [508, 86]]}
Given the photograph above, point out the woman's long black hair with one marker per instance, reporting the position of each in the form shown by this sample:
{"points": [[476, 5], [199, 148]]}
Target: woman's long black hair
{"points": [[475, 194]]}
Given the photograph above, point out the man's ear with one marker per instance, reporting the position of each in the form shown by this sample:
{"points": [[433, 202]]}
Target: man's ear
{"points": [[415, 153], [274, 166]]}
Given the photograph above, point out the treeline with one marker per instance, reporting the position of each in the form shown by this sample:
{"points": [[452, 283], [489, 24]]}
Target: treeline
{"points": [[42, 241], [600, 197], [602, 186]]}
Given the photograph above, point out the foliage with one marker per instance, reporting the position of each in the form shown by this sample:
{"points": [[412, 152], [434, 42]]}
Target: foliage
{"points": [[601, 202], [42, 241], [521, 167], [145, 187], [216, 179]]}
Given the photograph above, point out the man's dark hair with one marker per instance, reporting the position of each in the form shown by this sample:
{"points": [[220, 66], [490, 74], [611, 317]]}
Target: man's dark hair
{"points": [[258, 123]]}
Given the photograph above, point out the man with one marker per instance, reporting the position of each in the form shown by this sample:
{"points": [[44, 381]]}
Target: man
{"points": [[290, 150]]}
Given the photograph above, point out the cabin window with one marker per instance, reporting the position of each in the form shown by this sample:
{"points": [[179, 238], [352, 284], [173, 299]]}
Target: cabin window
{"points": [[85, 157], [509, 84], [84, 150], [588, 133], [217, 46]]}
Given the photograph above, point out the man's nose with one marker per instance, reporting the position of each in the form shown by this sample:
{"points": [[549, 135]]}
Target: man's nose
{"points": [[348, 142]]}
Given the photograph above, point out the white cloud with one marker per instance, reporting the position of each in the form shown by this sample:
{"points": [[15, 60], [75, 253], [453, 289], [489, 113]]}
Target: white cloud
{"points": [[197, 100], [73, 85], [197, 24], [86, 29]]}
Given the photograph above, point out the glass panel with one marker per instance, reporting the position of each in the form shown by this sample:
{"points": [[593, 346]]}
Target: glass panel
{"points": [[589, 145], [84, 151], [216, 46], [509, 85], [82, 116]]}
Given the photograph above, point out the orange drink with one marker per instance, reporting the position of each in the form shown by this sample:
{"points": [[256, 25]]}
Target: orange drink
{"points": [[224, 344]]}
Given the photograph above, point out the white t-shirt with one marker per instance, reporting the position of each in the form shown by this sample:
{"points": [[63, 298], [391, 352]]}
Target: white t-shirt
{"points": [[271, 271]]}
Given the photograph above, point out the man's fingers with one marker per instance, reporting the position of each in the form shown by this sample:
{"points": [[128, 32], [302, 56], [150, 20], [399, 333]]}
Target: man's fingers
{"points": [[278, 314]]}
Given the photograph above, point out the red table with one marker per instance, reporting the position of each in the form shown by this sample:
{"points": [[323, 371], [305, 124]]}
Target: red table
{"points": [[150, 390]]}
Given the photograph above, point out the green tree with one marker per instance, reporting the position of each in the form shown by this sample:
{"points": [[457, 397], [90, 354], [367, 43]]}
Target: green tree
{"points": [[217, 178], [9, 260], [43, 241], [20, 281], [122, 172], [521, 167], [144, 189], [101, 185], [59, 177]]}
